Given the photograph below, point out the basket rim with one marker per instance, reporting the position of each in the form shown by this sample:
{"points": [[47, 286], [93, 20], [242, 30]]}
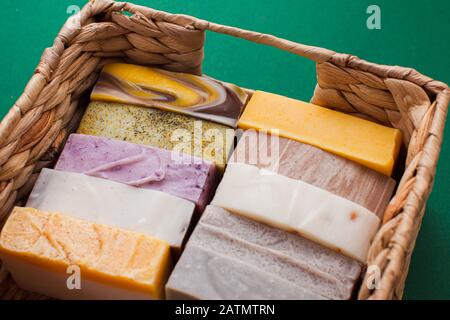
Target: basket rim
{"points": [[425, 164]]}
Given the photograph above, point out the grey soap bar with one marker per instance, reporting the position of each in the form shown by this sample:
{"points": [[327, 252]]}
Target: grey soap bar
{"points": [[232, 257], [312, 165], [206, 275]]}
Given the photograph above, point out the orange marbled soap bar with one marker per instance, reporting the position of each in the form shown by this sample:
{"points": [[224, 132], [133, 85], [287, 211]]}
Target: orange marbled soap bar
{"points": [[41, 249]]}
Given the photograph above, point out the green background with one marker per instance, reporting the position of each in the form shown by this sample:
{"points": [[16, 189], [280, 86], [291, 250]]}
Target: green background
{"points": [[414, 34]]}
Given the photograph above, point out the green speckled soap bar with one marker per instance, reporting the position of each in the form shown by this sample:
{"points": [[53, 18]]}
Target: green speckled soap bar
{"points": [[208, 140]]}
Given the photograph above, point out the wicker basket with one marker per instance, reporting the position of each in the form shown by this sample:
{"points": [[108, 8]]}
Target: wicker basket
{"points": [[34, 130]]}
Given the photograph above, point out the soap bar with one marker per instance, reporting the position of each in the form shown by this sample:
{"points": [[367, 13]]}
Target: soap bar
{"points": [[167, 130], [312, 165], [201, 97], [296, 206], [232, 257], [107, 202], [370, 144], [140, 166], [42, 250]]}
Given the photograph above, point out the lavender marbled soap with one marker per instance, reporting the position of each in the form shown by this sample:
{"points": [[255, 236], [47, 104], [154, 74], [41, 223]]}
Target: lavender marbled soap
{"points": [[140, 166], [232, 257]]}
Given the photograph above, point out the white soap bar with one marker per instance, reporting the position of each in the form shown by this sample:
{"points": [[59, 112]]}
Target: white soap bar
{"points": [[102, 201], [294, 205]]}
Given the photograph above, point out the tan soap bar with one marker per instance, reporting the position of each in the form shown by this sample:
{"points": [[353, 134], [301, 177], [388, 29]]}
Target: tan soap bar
{"points": [[166, 130], [40, 249], [312, 165], [365, 142]]}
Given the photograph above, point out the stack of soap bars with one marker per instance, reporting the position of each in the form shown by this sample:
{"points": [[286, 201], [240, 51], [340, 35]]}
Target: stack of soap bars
{"points": [[134, 201], [290, 220], [131, 103], [129, 187]]}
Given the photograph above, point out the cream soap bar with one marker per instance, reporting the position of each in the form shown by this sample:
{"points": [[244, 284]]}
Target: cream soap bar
{"points": [[294, 205], [107, 202], [232, 257], [200, 97], [140, 166], [312, 165], [370, 144], [166, 130], [43, 250]]}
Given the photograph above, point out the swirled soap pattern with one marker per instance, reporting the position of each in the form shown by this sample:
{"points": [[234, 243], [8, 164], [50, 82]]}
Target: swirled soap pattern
{"points": [[201, 97]]}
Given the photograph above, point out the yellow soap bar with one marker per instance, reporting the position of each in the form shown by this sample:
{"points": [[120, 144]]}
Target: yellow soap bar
{"points": [[356, 139], [38, 247]]}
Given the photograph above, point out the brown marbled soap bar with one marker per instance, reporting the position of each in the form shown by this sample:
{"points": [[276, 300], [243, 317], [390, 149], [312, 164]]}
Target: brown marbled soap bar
{"points": [[232, 257], [312, 165]]}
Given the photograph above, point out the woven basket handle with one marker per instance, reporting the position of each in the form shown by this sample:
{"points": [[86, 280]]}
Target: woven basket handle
{"points": [[316, 54], [320, 55]]}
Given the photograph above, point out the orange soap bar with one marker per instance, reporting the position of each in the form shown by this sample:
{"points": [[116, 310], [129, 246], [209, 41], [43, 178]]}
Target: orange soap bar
{"points": [[42, 250], [362, 141]]}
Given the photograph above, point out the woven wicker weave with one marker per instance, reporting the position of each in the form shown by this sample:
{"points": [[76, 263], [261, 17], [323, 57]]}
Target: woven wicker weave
{"points": [[36, 127]]}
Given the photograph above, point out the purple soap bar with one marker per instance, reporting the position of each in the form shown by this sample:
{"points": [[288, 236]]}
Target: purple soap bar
{"points": [[141, 166]]}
